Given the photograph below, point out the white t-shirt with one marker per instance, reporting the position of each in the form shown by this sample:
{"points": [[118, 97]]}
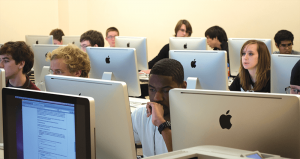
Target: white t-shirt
{"points": [[147, 134]]}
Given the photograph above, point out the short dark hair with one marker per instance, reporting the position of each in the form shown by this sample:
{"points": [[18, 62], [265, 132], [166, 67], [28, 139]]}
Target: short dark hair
{"points": [[112, 29], [57, 34], [19, 52], [94, 37], [187, 24], [216, 31], [169, 67], [282, 35]]}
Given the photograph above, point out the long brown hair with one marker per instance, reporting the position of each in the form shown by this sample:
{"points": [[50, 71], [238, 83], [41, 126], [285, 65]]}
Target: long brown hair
{"points": [[263, 66]]}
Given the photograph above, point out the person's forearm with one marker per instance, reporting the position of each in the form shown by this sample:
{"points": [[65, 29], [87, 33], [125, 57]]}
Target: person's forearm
{"points": [[167, 135]]}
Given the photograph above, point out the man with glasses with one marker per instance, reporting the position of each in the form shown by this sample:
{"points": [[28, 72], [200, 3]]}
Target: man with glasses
{"points": [[91, 38], [284, 42], [17, 60], [294, 87], [69, 61], [111, 33]]}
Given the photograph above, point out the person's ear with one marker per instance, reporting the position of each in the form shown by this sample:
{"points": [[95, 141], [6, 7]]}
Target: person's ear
{"points": [[78, 73], [21, 64], [277, 46], [184, 84]]}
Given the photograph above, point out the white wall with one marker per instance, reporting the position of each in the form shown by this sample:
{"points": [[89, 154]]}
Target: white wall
{"points": [[154, 19]]}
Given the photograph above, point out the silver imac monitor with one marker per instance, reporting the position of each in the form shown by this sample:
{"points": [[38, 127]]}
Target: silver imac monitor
{"points": [[40, 52], [47, 125], [251, 121], [187, 43], [114, 134], [203, 69], [234, 48], [119, 64], [140, 45], [281, 67], [2, 85], [38, 39], [71, 40]]}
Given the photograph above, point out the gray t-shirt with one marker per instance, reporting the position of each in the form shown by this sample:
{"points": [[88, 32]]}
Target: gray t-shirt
{"points": [[293, 52]]}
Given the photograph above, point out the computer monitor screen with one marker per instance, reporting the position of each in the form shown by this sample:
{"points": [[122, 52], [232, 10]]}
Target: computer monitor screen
{"points": [[71, 40], [281, 67], [140, 45], [114, 134], [47, 125], [120, 63], [2, 85], [263, 122], [234, 47], [210, 67], [38, 39], [187, 43], [40, 53]]}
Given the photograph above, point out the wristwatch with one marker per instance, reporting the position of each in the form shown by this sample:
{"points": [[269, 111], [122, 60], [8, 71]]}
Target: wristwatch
{"points": [[164, 125]]}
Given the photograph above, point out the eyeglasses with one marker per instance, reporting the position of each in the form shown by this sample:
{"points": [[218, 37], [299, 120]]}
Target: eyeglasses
{"points": [[111, 37], [56, 72], [289, 90], [182, 30], [84, 46], [286, 45]]}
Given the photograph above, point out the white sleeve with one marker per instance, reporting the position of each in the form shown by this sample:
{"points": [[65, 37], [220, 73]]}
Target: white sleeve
{"points": [[136, 126]]}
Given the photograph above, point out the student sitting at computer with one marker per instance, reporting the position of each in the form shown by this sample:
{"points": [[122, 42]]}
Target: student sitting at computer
{"points": [[254, 74], [57, 36], [69, 61], [284, 42], [111, 33], [17, 60], [182, 29], [217, 39], [91, 38], [151, 124], [294, 87]]}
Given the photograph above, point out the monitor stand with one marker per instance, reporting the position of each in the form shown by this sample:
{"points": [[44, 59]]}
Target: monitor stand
{"points": [[108, 76], [41, 83], [193, 83]]}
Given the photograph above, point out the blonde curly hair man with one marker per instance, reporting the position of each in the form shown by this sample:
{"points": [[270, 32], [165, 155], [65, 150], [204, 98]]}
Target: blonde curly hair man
{"points": [[69, 61]]}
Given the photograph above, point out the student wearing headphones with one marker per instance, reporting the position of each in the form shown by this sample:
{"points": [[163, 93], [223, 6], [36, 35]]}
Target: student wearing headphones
{"points": [[69, 61], [91, 38], [152, 124], [17, 60], [254, 74], [183, 28], [57, 36]]}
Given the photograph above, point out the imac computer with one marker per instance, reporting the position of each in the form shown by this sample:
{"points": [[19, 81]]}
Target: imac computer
{"points": [[71, 40], [114, 133], [203, 69], [281, 67], [40, 124], [38, 39], [187, 43], [119, 64], [251, 121], [234, 48], [140, 45], [2, 85], [40, 52]]}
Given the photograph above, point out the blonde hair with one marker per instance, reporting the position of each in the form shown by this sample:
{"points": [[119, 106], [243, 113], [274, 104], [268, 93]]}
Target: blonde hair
{"points": [[76, 59]]}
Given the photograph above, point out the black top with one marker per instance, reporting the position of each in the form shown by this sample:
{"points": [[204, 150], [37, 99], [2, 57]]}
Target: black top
{"points": [[236, 84], [224, 46], [163, 53]]}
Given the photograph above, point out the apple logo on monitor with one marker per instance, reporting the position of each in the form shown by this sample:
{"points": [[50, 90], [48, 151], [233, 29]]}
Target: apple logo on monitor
{"points": [[185, 46], [73, 42], [46, 54], [225, 121], [37, 42], [193, 63], [79, 94], [107, 60], [128, 44]]}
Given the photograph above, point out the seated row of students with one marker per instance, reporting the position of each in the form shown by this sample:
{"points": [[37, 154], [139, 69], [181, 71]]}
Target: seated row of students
{"points": [[151, 124]]}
